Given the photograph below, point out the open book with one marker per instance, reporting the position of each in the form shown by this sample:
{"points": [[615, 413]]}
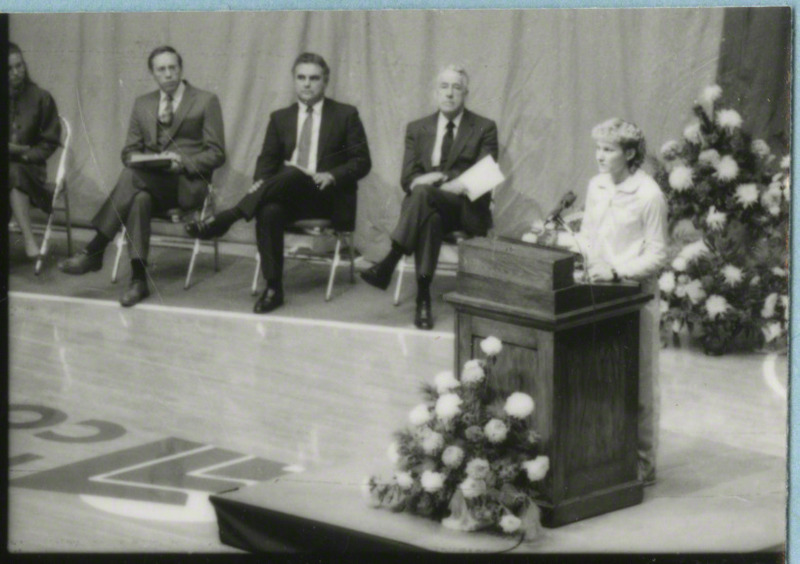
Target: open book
{"points": [[481, 177], [150, 160]]}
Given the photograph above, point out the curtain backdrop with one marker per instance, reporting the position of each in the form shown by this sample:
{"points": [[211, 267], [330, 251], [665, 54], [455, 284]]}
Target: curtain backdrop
{"points": [[546, 77]]}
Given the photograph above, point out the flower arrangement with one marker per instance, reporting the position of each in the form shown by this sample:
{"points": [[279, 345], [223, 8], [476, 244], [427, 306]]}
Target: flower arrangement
{"points": [[469, 457], [729, 278]]}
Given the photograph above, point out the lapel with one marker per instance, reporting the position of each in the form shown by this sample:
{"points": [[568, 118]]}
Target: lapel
{"points": [[183, 109], [291, 129], [151, 114], [464, 132], [427, 139], [325, 127]]}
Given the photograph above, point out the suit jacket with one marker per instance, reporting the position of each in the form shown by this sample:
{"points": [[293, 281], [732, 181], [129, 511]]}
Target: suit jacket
{"points": [[342, 150], [476, 138], [196, 134]]}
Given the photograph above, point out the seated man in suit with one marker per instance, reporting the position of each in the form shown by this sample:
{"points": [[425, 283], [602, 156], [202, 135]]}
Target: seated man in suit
{"points": [[438, 149], [313, 155], [180, 122]]}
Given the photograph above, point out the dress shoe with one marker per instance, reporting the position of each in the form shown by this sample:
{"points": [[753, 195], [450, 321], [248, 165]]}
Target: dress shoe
{"points": [[423, 318], [377, 276], [269, 301], [206, 228], [81, 263], [136, 292]]}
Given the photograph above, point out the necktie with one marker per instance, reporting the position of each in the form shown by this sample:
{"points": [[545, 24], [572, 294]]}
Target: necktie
{"points": [[304, 145], [447, 143], [166, 115]]}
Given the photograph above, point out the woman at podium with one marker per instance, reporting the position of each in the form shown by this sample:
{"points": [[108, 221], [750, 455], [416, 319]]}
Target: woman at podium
{"points": [[623, 236]]}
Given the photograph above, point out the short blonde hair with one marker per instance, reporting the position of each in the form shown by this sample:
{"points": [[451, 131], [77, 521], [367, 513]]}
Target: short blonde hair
{"points": [[627, 135]]}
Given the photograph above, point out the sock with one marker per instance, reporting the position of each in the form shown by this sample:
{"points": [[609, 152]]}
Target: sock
{"points": [[138, 269], [228, 217], [423, 288], [98, 244], [275, 284]]}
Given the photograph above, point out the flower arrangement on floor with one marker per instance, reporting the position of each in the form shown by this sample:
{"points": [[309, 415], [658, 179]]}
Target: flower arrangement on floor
{"points": [[469, 457], [731, 281]]}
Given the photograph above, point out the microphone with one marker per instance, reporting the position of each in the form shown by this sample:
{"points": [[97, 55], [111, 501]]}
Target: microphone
{"points": [[566, 202]]}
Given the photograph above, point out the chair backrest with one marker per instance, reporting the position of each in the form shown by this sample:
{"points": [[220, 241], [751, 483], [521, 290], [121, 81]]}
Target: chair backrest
{"points": [[66, 138]]}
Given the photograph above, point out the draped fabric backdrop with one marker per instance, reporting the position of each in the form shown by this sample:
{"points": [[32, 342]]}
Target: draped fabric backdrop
{"points": [[546, 76]]}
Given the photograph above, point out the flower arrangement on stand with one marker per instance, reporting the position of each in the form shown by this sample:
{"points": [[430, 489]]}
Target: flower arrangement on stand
{"points": [[730, 281], [469, 457]]}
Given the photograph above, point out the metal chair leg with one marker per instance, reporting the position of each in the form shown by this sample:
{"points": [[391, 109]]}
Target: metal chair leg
{"points": [[195, 252], [216, 255], [68, 220], [120, 243], [45, 243], [254, 288], [334, 266], [399, 283], [351, 249]]}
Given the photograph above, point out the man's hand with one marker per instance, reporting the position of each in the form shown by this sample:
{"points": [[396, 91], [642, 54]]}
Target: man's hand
{"points": [[600, 272], [323, 179], [256, 185], [455, 186], [175, 166], [15, 149], [431, 178]]}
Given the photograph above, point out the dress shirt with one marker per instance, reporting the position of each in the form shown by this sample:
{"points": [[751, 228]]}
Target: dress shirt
{"points": [[316, 115], [625, 225], [441, 128], [177, 96]]}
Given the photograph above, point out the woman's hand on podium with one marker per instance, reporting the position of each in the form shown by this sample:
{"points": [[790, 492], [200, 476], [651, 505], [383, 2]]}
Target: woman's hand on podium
{"points": [[601, 272]]}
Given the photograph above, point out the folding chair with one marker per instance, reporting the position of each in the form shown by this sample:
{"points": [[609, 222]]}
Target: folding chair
{"points": [[318, 228], [209, 207], [60, 189]]}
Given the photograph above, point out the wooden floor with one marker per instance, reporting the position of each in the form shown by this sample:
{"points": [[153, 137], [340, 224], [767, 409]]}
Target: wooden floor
{"points": [[123, 421]]}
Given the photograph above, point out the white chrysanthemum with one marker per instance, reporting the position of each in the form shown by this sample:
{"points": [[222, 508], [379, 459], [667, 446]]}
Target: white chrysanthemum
{"points": [[663, 306], [771, 198], [768, 311], [786, 162], [716, 219], [683, 279], [709, 157], [519, 405], [727, 168], [679, 264], [419, 415], [778, 271], [695, 291], [676, 325], [478, 468], [491, 346], [760, 148], [530, 237], [716, 306], [711, 94], [694, 250], [448, 406], [473, 372], [772, 331], [692, 133], [747, 194], [431, 481], [393, 452], [785, 302], [472, 488], [495, 431], [432, 442], [732, 274], [537, 468], [510, 523], [729, 119], [670, 150], [666, 282], [445, 381], [404, 480], [453, 456], [680, 178], [755, 280]]}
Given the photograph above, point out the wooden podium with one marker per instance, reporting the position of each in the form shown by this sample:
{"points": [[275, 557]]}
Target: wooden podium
{"points": [[575, 349]]}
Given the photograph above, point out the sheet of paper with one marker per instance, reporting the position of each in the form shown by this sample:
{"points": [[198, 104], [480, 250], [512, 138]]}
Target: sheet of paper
{"points": [[481, 177]]}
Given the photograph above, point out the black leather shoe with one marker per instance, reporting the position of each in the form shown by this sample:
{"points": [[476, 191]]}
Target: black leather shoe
{"points": [[423, 318], [375, 276], [136, 292], [270, 300], [206, 229], [81, 263]]}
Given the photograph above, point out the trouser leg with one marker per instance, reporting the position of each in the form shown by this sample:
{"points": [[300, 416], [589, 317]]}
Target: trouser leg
{"points": [[270, 224], [137, 225]]}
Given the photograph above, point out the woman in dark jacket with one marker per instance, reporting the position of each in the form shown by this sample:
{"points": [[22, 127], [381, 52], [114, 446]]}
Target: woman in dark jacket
{"points": [[35, 133]]}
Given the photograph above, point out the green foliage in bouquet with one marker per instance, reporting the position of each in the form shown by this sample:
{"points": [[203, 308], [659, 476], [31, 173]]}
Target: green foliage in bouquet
{"points": [[731, 282], [469, 457]]}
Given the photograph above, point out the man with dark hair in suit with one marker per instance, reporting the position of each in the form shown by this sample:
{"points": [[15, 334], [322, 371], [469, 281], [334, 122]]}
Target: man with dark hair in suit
{"points": [[313, 155], [179, 122], [438, 149]]}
